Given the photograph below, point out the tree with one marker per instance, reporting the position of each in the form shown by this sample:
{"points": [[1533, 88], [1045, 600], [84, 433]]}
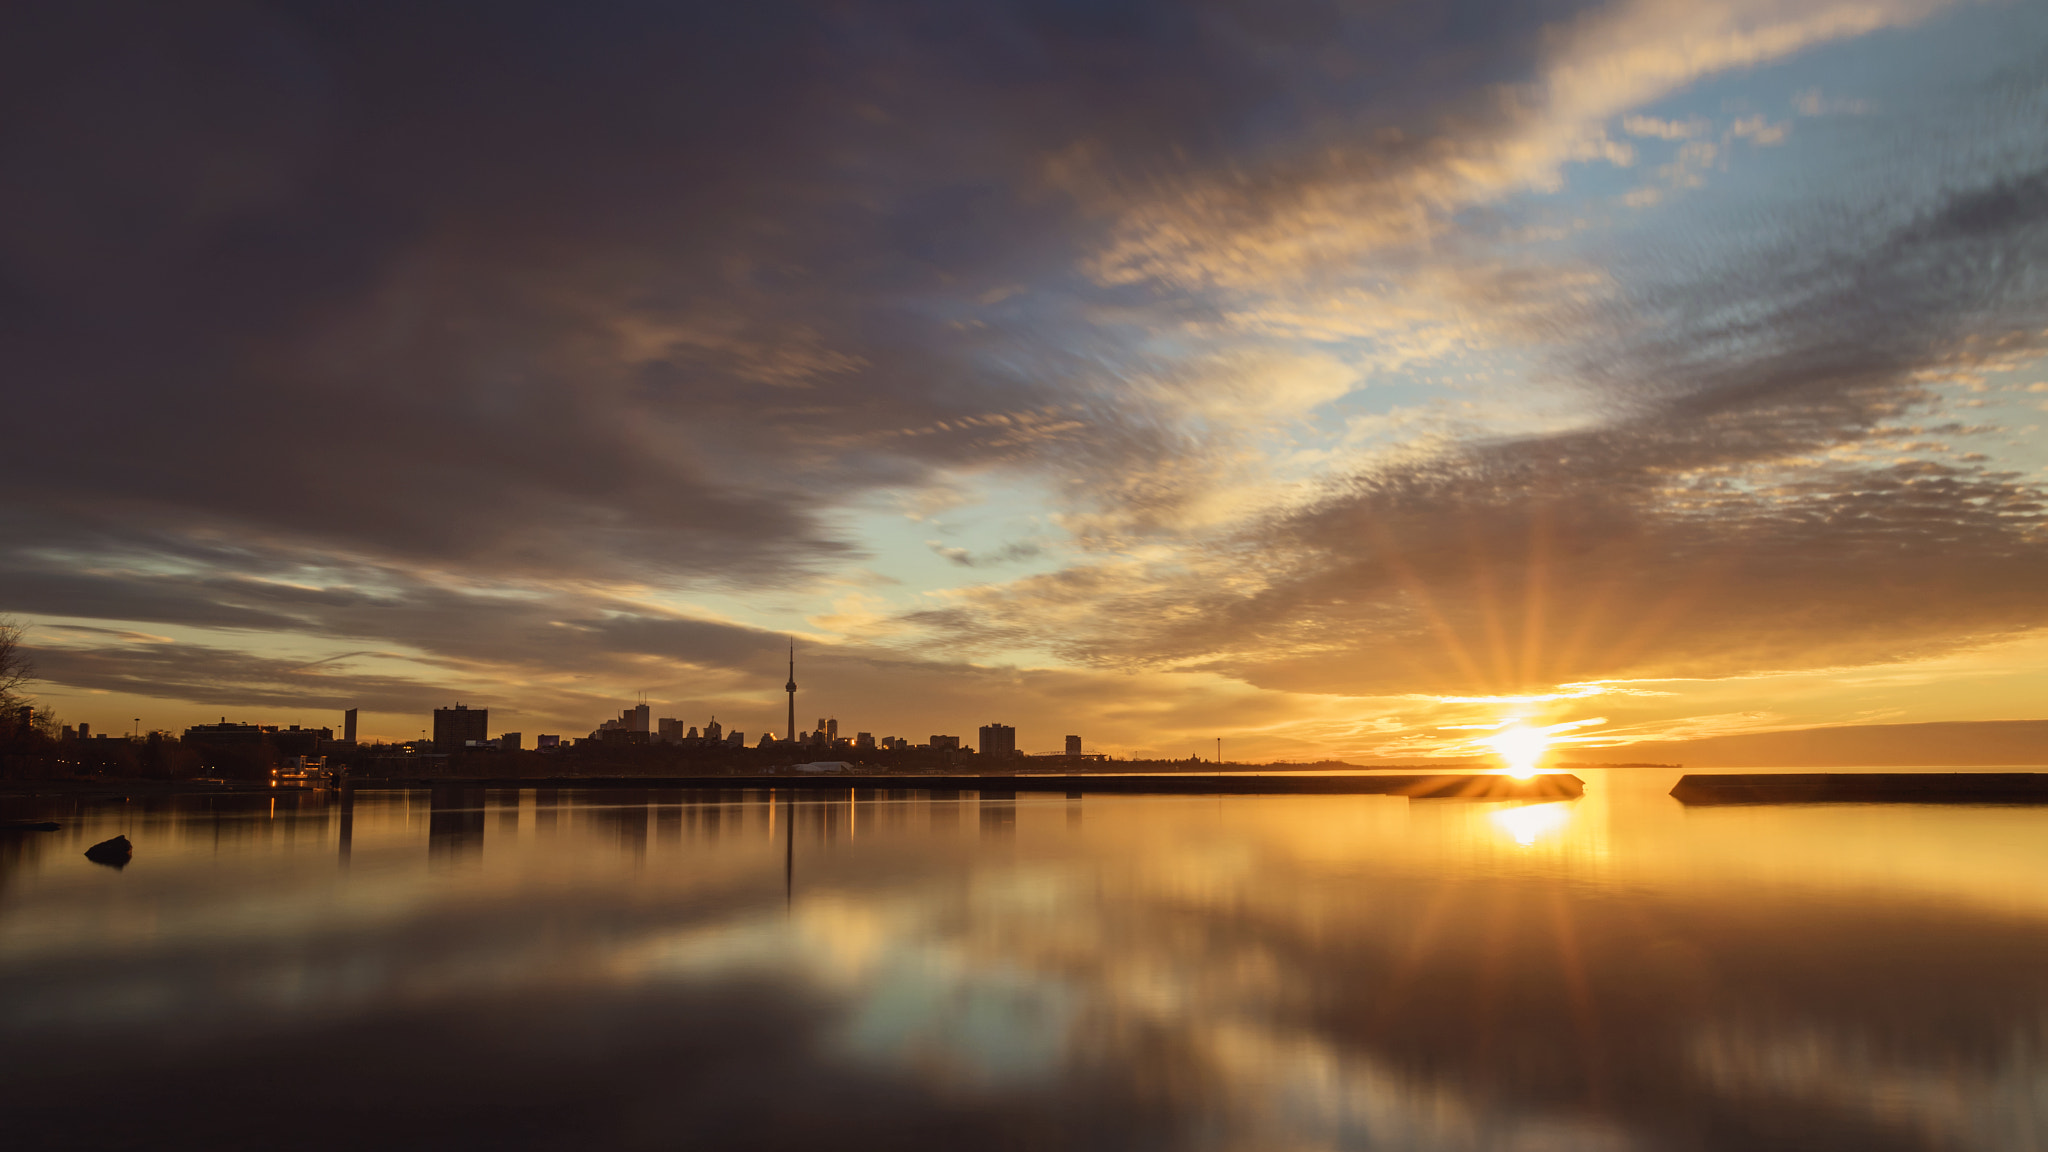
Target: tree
{"points": [[15, 669]]}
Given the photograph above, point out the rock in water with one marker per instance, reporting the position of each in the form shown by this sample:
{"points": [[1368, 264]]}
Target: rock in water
{"points": [[113, 853]]}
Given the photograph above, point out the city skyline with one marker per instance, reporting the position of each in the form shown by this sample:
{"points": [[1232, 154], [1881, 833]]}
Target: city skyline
{"points": [[1332, 382]]}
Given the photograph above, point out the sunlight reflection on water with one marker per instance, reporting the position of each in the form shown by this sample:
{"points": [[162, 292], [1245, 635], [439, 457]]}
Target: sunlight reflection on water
{"points": [[640, 968]]}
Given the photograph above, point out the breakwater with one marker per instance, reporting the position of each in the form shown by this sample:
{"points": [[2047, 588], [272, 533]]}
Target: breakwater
{"points": [[1711, 788]]}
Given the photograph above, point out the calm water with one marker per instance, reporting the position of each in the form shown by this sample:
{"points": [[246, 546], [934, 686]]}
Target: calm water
{"points": [[898, 970]]}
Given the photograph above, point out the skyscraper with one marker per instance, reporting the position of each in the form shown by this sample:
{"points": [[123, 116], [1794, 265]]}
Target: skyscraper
{"points": [[1073, 745], [635, 718], [348, 725], [453, 727], [998, 740], [791, 689]]}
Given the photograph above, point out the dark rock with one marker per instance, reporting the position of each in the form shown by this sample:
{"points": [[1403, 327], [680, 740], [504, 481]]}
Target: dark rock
{"points": [[113, 853]]}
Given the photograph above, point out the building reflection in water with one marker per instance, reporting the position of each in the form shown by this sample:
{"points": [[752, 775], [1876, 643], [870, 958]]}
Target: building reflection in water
{"points": [[455, 822], [545, 801], [998, 815], [667, 814], [506, 802], [345, 800], [944, 812]]}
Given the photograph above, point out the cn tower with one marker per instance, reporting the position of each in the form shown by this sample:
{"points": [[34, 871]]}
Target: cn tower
{"points": [[791, 689]]}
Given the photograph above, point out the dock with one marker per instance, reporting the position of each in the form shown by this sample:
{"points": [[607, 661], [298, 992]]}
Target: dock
{"points": [[1456, 786], [1717, 788]]}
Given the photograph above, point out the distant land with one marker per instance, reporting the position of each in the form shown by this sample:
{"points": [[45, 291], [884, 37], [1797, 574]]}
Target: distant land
{"points": [[1957, 744]]}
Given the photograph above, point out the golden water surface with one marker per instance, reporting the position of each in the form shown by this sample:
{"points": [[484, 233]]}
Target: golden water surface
{"points": [[899, 969]]}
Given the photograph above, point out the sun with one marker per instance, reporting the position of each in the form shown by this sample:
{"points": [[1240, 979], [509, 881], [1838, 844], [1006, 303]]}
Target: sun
{"points": [[1521, 747]]}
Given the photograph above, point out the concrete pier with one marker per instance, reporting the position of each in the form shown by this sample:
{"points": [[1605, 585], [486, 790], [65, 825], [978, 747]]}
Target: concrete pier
{"points": [[1711, 788]]}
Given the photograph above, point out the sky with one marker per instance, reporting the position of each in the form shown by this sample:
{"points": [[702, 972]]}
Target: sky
{"points": [[1330, 380]]}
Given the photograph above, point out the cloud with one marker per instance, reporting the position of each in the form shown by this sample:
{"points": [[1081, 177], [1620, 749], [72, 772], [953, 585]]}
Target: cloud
{"points": [[1810, 102], [1759, 130], [1008, 553], [1702, 529], [1666, 129]]}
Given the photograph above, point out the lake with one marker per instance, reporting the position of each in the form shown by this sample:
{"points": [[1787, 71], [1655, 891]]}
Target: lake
{"points": [[895, 969]]}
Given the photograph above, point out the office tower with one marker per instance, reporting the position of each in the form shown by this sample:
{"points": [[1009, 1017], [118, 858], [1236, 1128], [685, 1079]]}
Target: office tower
{"points": [[831, 731], [946, 742], [670, 730], [713, 732], [998, 740], [348, 725], [455, 727], [1073, 745], [547, 740], [635, 718], [864, 740]]}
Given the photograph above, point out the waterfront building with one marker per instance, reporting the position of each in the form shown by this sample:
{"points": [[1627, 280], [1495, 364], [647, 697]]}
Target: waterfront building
{"points": [[455, 727], [998, 740], [219, 734]]}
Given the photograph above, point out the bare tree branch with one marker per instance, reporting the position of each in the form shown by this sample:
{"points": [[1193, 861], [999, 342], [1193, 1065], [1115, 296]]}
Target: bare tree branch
{"points": [[15, 669]]}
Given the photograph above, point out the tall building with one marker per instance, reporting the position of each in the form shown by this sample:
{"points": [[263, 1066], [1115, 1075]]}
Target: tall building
{"points": [[511, 741], [831, 731], [945, 742], [635, 718], [1073, 745], [998, 740], [348, 725], [671, 730], [712, 731], [791, 689], [454, 727]]}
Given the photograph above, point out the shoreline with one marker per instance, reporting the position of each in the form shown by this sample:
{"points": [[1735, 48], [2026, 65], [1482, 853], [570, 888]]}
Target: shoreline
{"points": [[1455, 785]]}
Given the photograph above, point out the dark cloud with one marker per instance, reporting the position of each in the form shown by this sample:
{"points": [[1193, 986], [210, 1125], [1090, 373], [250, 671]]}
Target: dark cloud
{"points": [[232, 680], [629, 289]]}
